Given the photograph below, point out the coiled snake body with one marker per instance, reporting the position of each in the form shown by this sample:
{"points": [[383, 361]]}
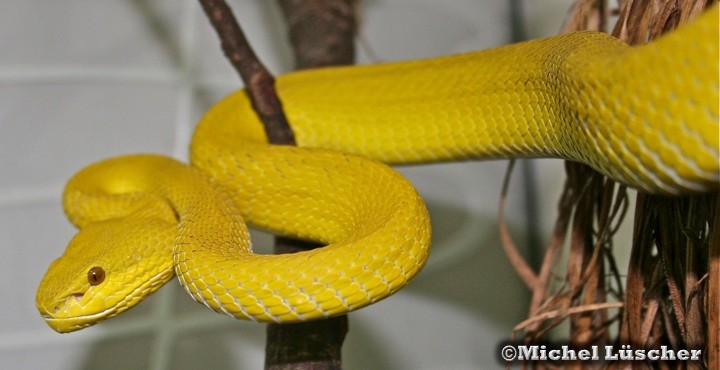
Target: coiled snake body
{"points": [[645, 116]]}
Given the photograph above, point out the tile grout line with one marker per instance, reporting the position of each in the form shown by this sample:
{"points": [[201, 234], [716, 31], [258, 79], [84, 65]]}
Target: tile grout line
{"points": [[19, 196], [40, 338], [65, 74], [168, 330]]}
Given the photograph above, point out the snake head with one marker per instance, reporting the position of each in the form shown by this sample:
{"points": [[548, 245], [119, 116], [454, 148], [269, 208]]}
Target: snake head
{"points": [[107, 268]]}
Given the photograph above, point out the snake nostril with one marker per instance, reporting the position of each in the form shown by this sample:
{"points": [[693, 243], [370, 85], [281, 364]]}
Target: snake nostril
{"points": [[56, 309]]}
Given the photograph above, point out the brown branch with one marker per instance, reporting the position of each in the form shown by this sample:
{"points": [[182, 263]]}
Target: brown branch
{"points": [[315, 345], [259, 83], [328, 26], [322, 34]]}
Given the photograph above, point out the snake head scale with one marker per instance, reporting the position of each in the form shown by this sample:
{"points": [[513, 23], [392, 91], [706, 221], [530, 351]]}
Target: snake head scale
{"points": [[89, 283]]}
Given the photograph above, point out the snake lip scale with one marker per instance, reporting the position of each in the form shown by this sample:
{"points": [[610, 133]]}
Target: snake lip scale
{"points": [[645, 116]]}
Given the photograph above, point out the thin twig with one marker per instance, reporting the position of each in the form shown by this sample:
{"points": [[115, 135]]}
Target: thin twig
{"points": [[259, 83], [522, 268], [570, 311]]}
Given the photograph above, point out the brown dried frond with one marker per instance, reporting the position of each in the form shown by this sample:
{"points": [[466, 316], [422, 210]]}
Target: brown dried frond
{"points": [[672, 289]]}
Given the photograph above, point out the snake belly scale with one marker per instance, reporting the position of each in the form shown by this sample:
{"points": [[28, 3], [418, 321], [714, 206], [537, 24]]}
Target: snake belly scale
{"points": [[645, 116]]}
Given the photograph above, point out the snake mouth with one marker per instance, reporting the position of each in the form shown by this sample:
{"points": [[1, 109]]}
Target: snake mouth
{"points": [[61, 316], [77, 296], [64, 316], [61, 303], [67, 301], [65, 325]]}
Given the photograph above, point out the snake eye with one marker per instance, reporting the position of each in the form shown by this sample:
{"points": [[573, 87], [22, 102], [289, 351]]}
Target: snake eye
{"points": [[96, 275]]}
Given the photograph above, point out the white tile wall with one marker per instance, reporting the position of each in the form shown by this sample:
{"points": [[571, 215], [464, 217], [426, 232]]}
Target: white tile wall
{"points": [[83, 80]]}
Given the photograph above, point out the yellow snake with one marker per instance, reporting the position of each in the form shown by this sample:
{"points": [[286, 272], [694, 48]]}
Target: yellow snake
{"points": [[646, 116]]}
